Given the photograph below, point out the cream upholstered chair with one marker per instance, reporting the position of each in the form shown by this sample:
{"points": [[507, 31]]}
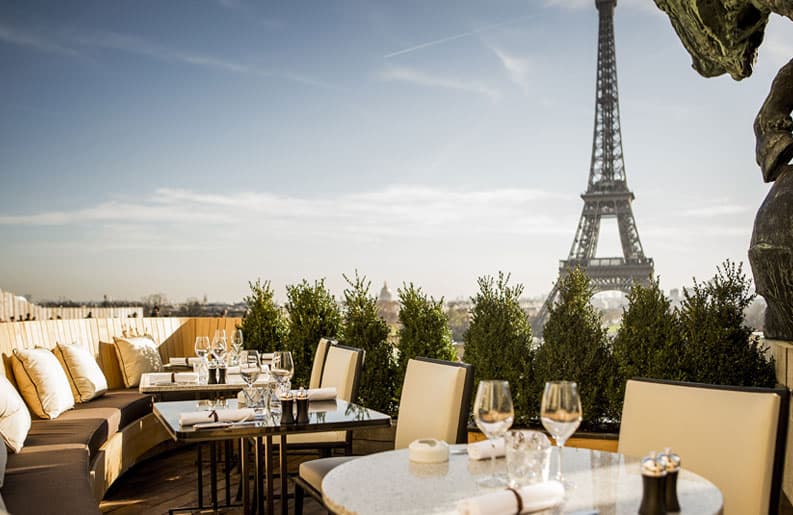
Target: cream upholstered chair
{"points": [[435, 399], [342, 370], [733, 436], [319, 362]]}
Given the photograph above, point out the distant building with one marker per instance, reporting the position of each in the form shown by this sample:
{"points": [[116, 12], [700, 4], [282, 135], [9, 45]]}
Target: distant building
{"points": [[387, 307]]}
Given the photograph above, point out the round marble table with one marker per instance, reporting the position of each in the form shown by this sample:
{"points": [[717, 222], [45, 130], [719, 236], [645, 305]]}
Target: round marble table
{"points": [[606, 482]]}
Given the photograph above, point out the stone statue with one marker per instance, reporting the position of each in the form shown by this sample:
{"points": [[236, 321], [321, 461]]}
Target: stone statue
{"points": [[723, 36]]}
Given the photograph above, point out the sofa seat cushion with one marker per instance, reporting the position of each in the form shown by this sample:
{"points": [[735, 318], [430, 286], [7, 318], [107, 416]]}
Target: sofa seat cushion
{"points": [[75, 427], [120, 407], [49, 480]]}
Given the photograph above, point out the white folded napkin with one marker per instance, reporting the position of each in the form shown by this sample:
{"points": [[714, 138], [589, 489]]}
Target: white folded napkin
{"points": [[223, 415], [485, 449], [184, 362], [321, 394], [540, 496], [233, 370], [155, 378]]}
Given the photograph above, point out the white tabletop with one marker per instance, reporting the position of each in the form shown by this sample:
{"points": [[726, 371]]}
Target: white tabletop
{"points": [[388, 483]]}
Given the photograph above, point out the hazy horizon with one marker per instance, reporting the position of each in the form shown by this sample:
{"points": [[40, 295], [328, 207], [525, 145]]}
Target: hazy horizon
{"points": [[187, 148]]}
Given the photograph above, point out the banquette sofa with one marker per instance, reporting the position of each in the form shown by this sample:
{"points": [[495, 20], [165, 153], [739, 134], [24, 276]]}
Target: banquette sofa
{"points": [[70, 455]]}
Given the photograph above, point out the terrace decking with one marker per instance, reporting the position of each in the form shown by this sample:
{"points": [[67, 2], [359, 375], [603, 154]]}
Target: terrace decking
{"points": [[168, 481]]}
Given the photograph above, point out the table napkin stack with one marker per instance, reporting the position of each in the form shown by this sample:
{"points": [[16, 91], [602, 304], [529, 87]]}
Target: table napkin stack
{"points": [[535, 497], [486, 449], [223, 415]]}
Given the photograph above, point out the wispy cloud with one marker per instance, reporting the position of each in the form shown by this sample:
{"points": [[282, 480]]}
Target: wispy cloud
{"points": [[421, 78], [518, 68], [396, 210], [716, 210], [34, 41], [448, 39]]}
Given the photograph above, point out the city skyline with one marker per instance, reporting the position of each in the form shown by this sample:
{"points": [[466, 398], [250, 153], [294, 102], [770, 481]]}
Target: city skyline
{"points": [[190, 147]]}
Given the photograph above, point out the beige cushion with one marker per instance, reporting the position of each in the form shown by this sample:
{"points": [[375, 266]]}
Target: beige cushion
{"points": [[82, 370], [314, 471], [14, 416], [430, 404], [42, 382], [137, 356], [340, 371], [319, 362], [714, 431]]}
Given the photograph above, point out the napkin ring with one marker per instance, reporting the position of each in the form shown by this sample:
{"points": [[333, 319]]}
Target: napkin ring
{"points": [[518, 498], [214, 415]]}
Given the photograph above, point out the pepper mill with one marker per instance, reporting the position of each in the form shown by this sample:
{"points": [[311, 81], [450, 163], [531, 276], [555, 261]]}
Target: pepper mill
{"points": [[302, 406], [653, 486], [670, 462], [221, 374], [213, 378], [287, 417]]}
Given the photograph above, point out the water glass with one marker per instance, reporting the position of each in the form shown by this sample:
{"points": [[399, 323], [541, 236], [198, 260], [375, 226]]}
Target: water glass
{"points": [[528, 457]]}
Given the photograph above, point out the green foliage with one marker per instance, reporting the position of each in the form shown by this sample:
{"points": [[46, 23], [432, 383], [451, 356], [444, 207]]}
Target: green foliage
{"points": [[649, 341], [576, 349], [263, 327], [719, 348], [363, 328], [498, 341], [313, 314], [425, 329]]}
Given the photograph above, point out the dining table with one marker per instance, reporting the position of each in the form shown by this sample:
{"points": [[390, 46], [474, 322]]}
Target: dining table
{"points": [[257, 435], [596, 482]]}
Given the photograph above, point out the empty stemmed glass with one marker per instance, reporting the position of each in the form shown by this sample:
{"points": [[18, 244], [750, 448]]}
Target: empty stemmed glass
{"points": [[282, 368], [202, 347], [219, 345], [494, 414], [560, 414], [236, 343]]}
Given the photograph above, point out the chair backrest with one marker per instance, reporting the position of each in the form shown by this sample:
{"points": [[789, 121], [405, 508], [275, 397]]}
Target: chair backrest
{"points": [[319, 362], [436, 396], [733, 436], [343, 370]]}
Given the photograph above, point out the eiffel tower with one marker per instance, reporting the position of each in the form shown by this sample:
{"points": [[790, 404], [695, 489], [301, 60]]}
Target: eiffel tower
{"points": [[607, 194]]}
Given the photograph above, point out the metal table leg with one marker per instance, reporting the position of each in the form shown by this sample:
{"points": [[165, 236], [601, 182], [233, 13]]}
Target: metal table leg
{"points": [[284, 477], [244, 478], [269, 469]]}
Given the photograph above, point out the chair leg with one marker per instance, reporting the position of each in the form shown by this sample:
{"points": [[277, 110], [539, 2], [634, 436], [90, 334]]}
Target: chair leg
{"points": [[299, 496]]}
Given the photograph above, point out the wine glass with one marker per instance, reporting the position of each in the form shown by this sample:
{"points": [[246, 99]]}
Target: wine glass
{"points": [[560, 414], [282, 369], [494, 414], [236, 341], [202, 347], [249, 369], [219, 346]]}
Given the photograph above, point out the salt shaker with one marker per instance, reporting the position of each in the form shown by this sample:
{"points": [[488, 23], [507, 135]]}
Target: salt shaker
{"points": [[222, 373], [653, 486], [301, 400], [670, 462]]}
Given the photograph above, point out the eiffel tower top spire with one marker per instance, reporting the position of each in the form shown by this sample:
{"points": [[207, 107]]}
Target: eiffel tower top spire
{"points": [[607, 194], [607, 169]]}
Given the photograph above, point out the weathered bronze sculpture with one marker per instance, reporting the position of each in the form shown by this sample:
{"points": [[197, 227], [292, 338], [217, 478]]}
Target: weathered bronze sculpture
{"points": [[723, 36]]}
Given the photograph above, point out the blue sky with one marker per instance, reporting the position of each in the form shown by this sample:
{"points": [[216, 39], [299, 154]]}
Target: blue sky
{"points": [[189, 147]]}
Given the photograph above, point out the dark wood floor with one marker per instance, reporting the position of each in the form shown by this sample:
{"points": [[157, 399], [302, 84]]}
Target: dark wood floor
{"points": [[168, 481]]}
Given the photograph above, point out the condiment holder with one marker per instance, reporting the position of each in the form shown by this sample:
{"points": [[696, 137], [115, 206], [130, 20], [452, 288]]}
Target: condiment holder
{"points": [[653, 486], [287, 402], [301, 399]]}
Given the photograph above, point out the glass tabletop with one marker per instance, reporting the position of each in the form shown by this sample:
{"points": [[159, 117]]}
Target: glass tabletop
{"points": [[323, 416]]}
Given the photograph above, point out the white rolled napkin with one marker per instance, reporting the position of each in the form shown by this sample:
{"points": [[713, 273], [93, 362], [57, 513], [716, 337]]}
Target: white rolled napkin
{"points": [[322, 394], [486, 449], [233, 370], [223, 415], [540, 496], [183, 361]]}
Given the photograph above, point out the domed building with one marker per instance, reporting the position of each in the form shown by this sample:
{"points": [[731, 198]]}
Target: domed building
{"points": [[387, 307]]}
